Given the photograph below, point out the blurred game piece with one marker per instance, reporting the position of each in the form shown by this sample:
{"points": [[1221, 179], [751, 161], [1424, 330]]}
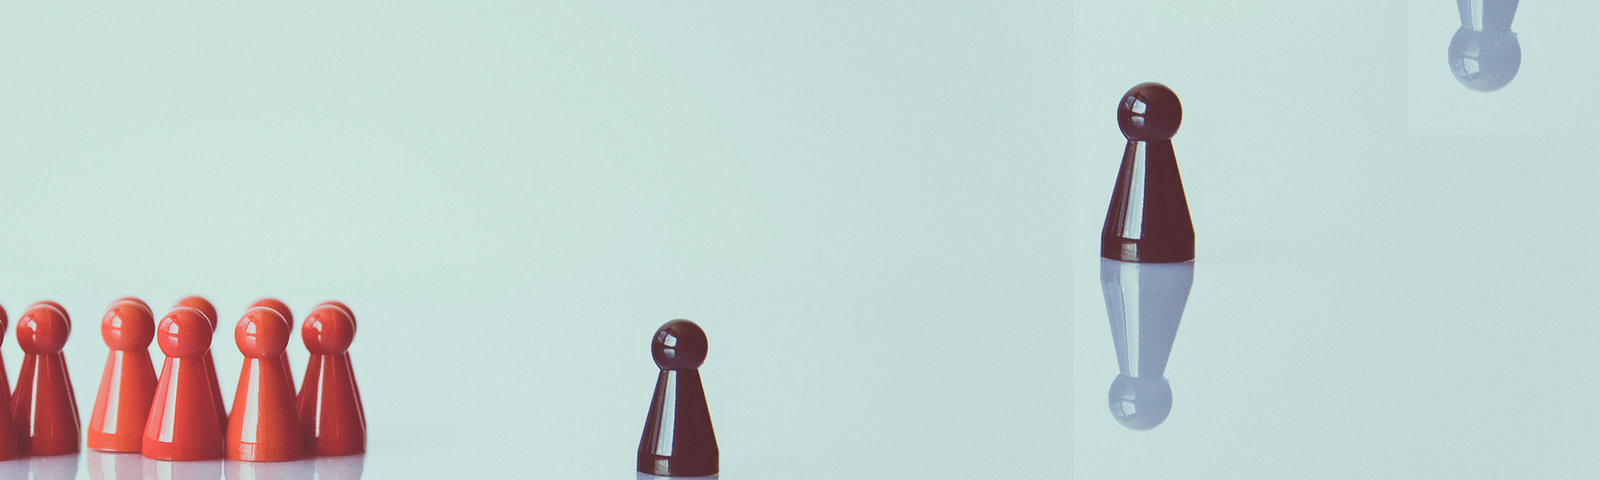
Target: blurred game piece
{"points": [[9, 443], [263, 426], [330, 412], [209, 359], [5, 380], [288, 317], [678, 440], [1485, 54], [128, 383], [136, 300], [353, 380], [183, 417], [1148, 221], [1145, 303], [43, 407]]}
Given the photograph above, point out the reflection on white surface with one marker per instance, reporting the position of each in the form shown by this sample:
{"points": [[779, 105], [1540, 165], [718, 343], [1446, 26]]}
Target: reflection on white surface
{"points": [[132, 466], [54, 467], [646, 476], [296, 470], [105, 465], [1145, 304], [347, 467], [164, 470]]}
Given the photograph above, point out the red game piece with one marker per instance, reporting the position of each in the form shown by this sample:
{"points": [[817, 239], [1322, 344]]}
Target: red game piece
{"points": [[183, 417], [330, 411], [200, 303], [43, 408], [352, 315], [288, 318], [5, 381], [264, 426], [137, 301], [128, 383], [9, 449]]}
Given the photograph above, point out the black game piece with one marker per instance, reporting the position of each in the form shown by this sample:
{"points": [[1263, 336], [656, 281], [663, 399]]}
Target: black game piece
{"points": [[1148, 221], [1485, 54], [678, 440]]}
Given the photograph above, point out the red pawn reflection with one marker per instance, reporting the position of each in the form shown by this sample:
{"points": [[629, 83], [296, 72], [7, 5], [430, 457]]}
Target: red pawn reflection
{"points": [[288, 319], [330, 412], [183, 417], [43, 408], [204, 306], [263, 426], [128, 384]]}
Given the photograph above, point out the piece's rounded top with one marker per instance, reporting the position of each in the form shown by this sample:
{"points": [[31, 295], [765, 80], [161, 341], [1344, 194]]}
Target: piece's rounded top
{"points": [[43, 329], [1485, 61], [679, 344], [1149, 111], [4, 321], [328, 330], [261, 333], [346, 309], [58, 306], [137, 301], [128, 325], [274, 304], [204, 306], [1140, 403], [184, 333]]}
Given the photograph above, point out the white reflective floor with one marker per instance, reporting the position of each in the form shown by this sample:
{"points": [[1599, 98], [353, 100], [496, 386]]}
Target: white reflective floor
{"points": [[1365, 303]]}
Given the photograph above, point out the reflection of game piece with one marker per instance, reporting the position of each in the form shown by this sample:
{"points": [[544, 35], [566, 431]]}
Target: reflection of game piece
{"points": [[183, 417], [9, 443], [288, 317], [113, 466], [353, 380], [43, 408], [347, 467], [678, 440], [263, 426], [128, 383], [1148, 221], [330, 412], [1145, 303], [1485, 54], [204, 306], [53, 467]]}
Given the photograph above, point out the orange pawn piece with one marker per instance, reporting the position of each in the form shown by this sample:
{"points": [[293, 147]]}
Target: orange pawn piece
{"points": [[288, 317], [204, 306], [183, 417], [330, 412], [352, 315], [5, 381], [128, 383], [264, 426], [9, 449], [43, 408]]}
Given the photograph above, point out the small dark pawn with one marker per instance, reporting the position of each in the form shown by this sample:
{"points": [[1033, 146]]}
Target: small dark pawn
{"points": [[678, 440], [1148, 221]]}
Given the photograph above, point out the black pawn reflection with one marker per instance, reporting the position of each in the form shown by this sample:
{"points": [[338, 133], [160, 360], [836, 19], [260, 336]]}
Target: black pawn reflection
{"points": [[678, 440], [1485, 54], [1148, 220], [1145, 302]]}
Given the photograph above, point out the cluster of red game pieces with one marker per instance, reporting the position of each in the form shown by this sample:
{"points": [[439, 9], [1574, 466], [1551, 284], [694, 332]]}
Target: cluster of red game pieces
{"points": [[180, 414]]}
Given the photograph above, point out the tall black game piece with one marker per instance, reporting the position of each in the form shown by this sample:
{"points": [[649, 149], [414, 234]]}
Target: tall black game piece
{"points": [[678, 440], [1148, 221]]}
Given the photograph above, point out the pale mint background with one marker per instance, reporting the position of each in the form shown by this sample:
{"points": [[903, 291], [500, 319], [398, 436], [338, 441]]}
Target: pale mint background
{"points": [[865, 204], [1366, 303]]}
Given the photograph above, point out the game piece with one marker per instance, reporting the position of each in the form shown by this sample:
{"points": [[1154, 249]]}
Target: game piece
{"points": [[43, 408], [330, 413], [1145, 303], [352, 315], [5, 380], [1485, 54], [288, 316], [678, 439], [1148, 221], [263, 426], [128, 383], [139, 302], [9, 443], [183, 417], [209, 359]]}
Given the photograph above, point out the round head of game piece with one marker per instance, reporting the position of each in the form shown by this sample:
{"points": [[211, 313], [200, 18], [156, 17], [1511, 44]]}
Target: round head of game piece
{"points": [[347, 311], [273, 303], [135, 300], [4, 321], [679, 344], [42, 329], [1149, 111], [1140, 403], [328, 331], [261, 333], [58, 306], [128, 326], [204, 306], [1485, 61], [184, 333]]}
